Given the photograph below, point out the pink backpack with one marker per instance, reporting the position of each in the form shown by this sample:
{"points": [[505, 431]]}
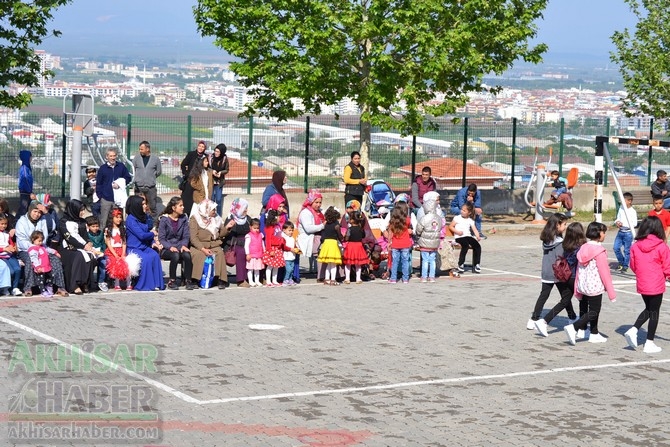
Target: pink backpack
{"points": [[588, 279]]}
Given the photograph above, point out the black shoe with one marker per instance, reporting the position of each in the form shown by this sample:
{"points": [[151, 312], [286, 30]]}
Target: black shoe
{"points": [[189, 285], [222, 284], [172, 284]]}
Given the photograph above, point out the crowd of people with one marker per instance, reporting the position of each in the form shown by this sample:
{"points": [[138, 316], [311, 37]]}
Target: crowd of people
{"points": [[109, 240]]}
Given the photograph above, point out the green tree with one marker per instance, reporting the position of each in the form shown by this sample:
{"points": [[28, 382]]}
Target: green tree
{"points": [[644, 59], [24, 27], [400, 60]]}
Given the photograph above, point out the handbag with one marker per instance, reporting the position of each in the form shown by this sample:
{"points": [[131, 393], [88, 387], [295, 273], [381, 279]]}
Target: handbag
{"points": [[207, 273], [231, 259]]}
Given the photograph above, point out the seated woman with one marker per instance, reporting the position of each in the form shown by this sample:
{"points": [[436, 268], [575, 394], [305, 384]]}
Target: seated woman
{"points": [[29, 222], [174, 235], [207, 234], [139, 240], [76, 250]]}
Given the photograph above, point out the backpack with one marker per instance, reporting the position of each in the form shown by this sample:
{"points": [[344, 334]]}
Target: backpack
{"points": [[588, 279], [562, 270]]}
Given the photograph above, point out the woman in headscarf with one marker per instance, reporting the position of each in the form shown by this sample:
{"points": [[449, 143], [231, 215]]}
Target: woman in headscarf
{"points": [[279, 178], [139, 240], [76, 250], [202, 183], [310, 224], [219, 170], [207, 234], [235, 240], [29, 222]]}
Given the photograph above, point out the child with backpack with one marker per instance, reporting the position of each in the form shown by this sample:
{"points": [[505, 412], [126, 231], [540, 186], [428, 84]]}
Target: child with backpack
{"points": [[650, 260], [552, 248], [592, 279]]}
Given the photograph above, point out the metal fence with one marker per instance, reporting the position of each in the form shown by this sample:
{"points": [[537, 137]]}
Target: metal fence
{"points": [[315, 150]]}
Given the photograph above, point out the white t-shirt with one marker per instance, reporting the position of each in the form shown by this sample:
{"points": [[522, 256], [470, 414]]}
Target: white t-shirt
{"points": [[463, 224], [289, 242]]}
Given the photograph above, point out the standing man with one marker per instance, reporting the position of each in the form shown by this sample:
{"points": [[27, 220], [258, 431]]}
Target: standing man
{"points": [[354, 179], [421, 185], [147, 169], [25, 182], [472, 195], [105, 183], [661, 187]]}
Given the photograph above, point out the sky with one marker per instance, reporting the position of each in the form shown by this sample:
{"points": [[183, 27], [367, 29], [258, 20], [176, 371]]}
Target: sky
{"points": [[578, 29]]}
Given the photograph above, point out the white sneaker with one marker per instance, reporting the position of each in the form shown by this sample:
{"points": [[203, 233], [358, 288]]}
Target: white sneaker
{"points": [[597, 338], [651, 348], [631, 337], [571, 333], [530, 325], [103, 286], [16, 292], [582, 334], [541, 327]]}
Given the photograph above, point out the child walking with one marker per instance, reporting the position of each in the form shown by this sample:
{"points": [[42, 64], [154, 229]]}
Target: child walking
{"points": [[273, 258], [118, 264], [97, 238], [626, 220], [574, 239], [592, 279], [463, 227], [354, 253], [650, 261], [254, 248], [400, 230], [290, 252], [329, 252], [39, 257], [9, 257], [429, 231]]}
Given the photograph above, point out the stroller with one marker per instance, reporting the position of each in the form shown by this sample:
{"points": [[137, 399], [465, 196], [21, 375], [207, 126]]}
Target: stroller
{"points": [[378, 193]]}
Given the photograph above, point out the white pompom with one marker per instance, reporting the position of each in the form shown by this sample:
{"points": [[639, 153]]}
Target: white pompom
{"points": [[134, 264]]}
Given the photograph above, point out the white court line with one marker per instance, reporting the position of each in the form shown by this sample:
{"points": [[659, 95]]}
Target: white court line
{"points": [[111, 365], [186, 398], [391, 386]]}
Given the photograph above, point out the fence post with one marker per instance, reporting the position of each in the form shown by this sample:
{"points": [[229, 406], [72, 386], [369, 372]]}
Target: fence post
{"points": [[511, 184], [649, 156], [606, 170], [129, 129], [465, 151], [304, 182], [189, 130], [63, 160], [411, 179], [561, 145], [249, 154]]}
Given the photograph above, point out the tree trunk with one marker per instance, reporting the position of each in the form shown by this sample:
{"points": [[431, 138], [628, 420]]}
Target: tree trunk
{"points": [[365, 138]]}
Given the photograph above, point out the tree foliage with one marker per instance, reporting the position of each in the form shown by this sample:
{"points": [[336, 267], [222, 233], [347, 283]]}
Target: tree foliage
{"points": [[400, 60], [23, 26], [644, 59]]}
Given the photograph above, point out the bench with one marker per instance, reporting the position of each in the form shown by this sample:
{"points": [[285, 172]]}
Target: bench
{"points": [[641, 200]]}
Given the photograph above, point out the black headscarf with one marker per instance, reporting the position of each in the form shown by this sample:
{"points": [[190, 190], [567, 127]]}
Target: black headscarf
{"points": [[278, 182], [73, 210], [134, 208]]}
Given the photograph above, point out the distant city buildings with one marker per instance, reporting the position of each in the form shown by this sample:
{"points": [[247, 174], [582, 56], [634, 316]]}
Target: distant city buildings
{"points": [[216, 85]]}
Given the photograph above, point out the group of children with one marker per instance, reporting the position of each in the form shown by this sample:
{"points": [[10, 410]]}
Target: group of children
{"points": [[647, 255]]}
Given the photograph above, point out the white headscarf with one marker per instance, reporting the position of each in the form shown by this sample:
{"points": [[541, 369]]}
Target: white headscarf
{"points": [[203, 216]]}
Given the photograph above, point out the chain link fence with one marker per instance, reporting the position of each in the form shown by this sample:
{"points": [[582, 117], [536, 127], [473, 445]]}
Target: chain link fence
{"points": [[314, 150]]}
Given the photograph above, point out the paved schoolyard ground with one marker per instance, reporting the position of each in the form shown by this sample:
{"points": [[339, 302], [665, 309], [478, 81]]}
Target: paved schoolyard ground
{"points": [[442, 364]]}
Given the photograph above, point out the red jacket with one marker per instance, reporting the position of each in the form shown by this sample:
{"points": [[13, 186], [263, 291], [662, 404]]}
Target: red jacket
{"points": [[650, 260]]}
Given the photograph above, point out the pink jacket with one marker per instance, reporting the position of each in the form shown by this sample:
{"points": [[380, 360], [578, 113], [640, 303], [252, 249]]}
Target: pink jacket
{"points": [[594, 250], [650, 260]]}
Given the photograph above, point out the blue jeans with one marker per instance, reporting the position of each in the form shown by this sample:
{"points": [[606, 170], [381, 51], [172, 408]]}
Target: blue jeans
{"points": [[289, 270], [623, 240], [14, 270], [428, 264], [400, 255], [102, 269], [217, 197], [666, 203]]}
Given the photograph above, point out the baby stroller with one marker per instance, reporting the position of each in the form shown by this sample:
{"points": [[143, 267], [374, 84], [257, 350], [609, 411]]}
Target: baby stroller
{"points": [[378, 193]]}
